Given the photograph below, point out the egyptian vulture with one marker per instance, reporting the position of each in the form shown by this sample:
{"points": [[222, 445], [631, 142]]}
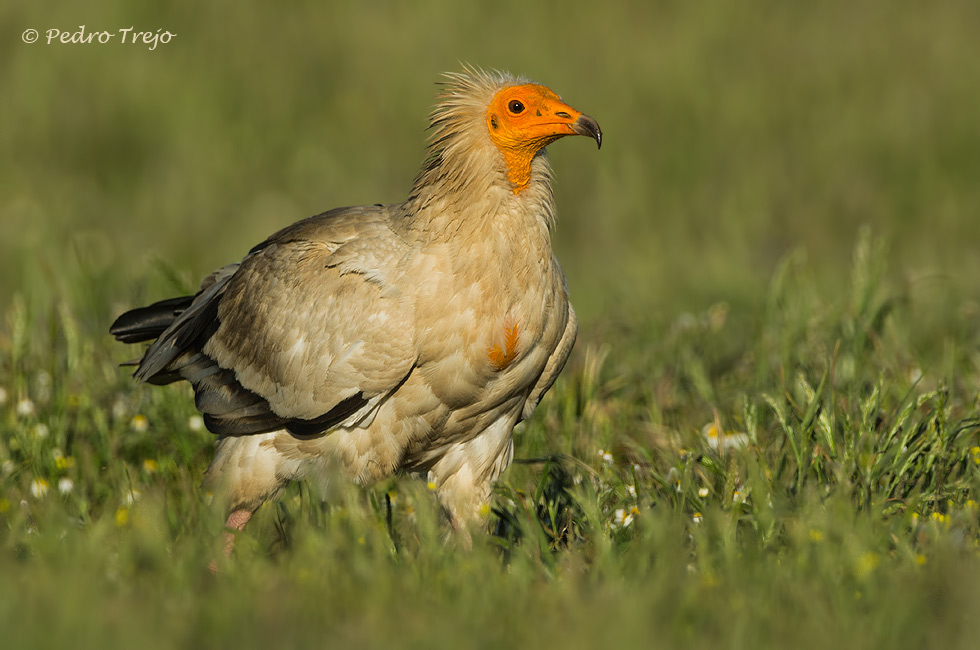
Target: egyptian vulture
{"points": [[371, 340]]}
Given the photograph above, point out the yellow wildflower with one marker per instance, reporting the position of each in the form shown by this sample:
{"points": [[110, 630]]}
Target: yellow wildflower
{"points": [[867, 563]]}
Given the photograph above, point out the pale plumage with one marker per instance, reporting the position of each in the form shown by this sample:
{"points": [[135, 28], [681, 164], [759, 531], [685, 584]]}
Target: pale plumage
{"points": [[377, 339]]}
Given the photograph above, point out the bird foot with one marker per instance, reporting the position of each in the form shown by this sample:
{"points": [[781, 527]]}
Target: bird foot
{"points": [[235, 524]]}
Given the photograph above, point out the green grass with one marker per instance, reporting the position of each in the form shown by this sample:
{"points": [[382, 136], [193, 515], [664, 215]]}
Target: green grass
{"points": [[778, 241]]}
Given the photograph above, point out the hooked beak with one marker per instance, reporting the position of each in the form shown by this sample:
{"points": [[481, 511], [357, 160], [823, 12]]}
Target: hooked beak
{"points": [[585, 125]]}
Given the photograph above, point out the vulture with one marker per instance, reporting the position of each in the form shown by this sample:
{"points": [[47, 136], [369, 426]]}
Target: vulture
{"points": [[371, 340]]}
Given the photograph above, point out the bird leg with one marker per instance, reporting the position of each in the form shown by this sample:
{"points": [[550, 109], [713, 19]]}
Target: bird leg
{"points": [[234, 524], [461, 531]]}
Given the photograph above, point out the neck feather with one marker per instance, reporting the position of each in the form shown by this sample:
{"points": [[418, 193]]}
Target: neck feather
{"points": [[465, 177]]}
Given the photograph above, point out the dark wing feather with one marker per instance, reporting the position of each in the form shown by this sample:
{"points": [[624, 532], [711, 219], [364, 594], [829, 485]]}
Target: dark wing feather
{"points": [[190, 328], [328, 420], [147, 323]]}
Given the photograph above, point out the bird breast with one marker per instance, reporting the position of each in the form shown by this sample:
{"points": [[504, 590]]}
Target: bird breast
{"points": [[490, 315]]}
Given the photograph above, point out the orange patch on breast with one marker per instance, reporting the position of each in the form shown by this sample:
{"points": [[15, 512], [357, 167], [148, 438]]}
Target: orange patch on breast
{"points": [[501, 358]]}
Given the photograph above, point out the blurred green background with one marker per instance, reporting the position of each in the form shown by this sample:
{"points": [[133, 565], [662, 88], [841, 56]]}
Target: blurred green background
{"points": [[735, 134], [787, 197]]}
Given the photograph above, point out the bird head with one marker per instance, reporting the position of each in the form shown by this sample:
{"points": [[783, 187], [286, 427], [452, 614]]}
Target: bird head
{"points": [[491, 120], [523, 119]]}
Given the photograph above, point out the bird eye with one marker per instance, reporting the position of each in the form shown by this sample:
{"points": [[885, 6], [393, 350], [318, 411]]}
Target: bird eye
{"points": [[515, 106]]}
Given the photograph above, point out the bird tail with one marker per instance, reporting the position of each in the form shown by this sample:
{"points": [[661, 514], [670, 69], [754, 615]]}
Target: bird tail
{"points": [[148, 323]]}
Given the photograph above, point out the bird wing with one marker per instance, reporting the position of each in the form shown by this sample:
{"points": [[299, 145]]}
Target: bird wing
{"points": [[310, 331], [554, 365]]}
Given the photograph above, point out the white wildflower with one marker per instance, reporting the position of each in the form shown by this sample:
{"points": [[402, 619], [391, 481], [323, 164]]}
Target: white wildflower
{"points": [[42, 384], [631, 490], [25, 407], [41, 431], [606, 457], [720, 440], [39, 487], [132, 497], [195, 423], [622, 517], [703, 492], [65, 485], [685, 321]]}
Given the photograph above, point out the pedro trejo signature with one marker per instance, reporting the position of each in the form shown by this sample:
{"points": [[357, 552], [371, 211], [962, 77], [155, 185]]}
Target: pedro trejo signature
{"points": [[83, 36]]}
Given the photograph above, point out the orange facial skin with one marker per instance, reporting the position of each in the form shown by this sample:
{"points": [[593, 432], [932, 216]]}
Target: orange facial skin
{"points": [[524, 119]]}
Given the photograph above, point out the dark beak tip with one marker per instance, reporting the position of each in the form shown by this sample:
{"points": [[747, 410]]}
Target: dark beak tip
{"points": [[585, 125]]}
